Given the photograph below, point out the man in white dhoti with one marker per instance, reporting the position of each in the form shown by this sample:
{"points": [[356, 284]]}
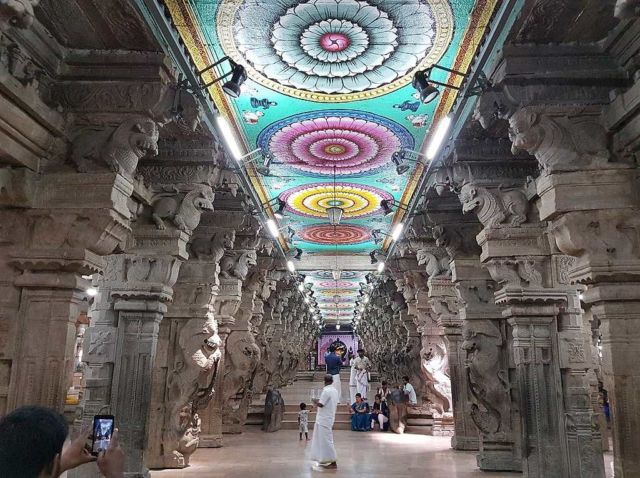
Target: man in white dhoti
{"points": [[362, 366], [334, 363], [322, 449]]}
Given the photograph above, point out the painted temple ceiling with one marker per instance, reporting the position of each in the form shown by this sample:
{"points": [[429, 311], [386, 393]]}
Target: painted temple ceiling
{"points": [[329, 98]]}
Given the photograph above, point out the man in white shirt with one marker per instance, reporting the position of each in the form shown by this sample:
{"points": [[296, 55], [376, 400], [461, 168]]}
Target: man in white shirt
{"points": [[362, 366], [409, 391], [322, 449]]}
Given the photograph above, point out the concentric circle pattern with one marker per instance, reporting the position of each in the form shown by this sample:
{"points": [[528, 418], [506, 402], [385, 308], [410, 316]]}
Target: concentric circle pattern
{"points": [[341, 284], [356, 200], [343, 274], [342, 234], [347, 142], [349, 49]]}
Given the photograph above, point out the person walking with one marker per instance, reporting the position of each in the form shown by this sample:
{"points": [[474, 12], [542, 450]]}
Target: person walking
{"points": [[322, 448], [334, 363], [353, 388]]}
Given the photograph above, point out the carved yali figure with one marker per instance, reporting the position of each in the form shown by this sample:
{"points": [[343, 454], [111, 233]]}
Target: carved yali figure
{"points": [[17, 13], [190, 386], [494, 208], [434, 367], [118, 148], [237, 264], [212, 248], [487, 380], [183, 210]]}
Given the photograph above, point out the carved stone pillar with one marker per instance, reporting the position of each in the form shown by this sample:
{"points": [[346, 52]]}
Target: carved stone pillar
{"points": [[444, 302], [186, 364], [121, 343], [45, 251], [489, 369], [225, 309], [548, 350]]}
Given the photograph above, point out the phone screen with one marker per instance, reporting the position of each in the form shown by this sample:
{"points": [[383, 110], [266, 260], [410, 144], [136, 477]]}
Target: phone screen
{"points": [[102, 432]]}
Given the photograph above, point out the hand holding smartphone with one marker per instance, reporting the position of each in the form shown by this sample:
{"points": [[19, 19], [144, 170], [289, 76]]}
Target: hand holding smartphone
{"points": [[102, 430]]}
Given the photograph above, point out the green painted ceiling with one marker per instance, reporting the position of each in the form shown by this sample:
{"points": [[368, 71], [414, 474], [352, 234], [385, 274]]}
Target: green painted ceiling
{"points": [[329, 96]]}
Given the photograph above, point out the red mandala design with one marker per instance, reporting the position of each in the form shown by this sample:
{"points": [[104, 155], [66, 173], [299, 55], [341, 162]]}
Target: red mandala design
{"points": [[342, 234]]}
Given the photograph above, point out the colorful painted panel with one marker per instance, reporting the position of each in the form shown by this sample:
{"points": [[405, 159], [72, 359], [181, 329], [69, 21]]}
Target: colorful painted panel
{"points": [[329, 101]]}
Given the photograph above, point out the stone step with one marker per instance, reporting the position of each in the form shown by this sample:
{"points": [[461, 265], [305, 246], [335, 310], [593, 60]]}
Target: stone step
{"points": [[422, 430], [420, 422]]}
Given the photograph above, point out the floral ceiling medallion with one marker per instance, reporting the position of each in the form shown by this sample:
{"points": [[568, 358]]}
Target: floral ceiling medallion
{"points": [[335, 50]]}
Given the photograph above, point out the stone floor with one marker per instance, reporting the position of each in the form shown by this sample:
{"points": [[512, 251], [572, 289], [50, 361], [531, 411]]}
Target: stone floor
{"points": [[255, 454]]}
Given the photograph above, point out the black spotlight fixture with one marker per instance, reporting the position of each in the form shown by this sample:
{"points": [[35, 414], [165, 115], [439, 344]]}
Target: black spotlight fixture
{"points": [[280, 211], [232, 86], [372, 255], [398, 159], [299, 253], [264, 169], [428, 92], [426, 87], [291, 232], [238, 77], [385, 204]]}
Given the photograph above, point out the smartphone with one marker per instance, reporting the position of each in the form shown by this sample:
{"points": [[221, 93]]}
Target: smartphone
{"points": [[102, 431]]}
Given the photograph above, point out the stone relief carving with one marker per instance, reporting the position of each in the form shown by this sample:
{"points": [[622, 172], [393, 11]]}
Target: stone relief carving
{"points": [[190, 385], [520, 272], [487, 380], [434, 266], [560, 140], [212, 248], [435, 370], [17, 13], [183, 209], [18, 63], [627, 9], [119, 148], [237, 263], [494, 207]]}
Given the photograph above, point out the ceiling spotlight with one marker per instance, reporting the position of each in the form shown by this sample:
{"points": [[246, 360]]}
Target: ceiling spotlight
{"points": [[338, 326], [398, 160], [366, 300], [92, 291], [291, 232], [301, 287], [273, 228], [381, 266], [397, 231], [336, 274], [428, 92], [299, 253], [238, 77], [385, 204], [372, 255], [306, 300], [291, 266], [280, 211], [335, 215]]}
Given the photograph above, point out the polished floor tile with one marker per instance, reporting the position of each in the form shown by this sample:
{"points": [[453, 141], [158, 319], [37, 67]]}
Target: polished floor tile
{"points": [[256, 454]]}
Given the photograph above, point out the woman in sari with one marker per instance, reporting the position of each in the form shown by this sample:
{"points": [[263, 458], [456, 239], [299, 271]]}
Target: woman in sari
{"points": [[360, 417]]}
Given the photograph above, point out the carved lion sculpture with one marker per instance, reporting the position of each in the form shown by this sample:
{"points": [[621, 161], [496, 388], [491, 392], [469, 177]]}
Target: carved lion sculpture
{"points": [[494, 208], [212, 248], [183, 211], [434, 267], [119, 148], [237, 265], [17, 13], [487, 380], [190, 386]]}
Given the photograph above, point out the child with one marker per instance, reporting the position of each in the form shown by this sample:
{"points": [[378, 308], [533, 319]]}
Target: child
{"points": [[303, 420]]}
